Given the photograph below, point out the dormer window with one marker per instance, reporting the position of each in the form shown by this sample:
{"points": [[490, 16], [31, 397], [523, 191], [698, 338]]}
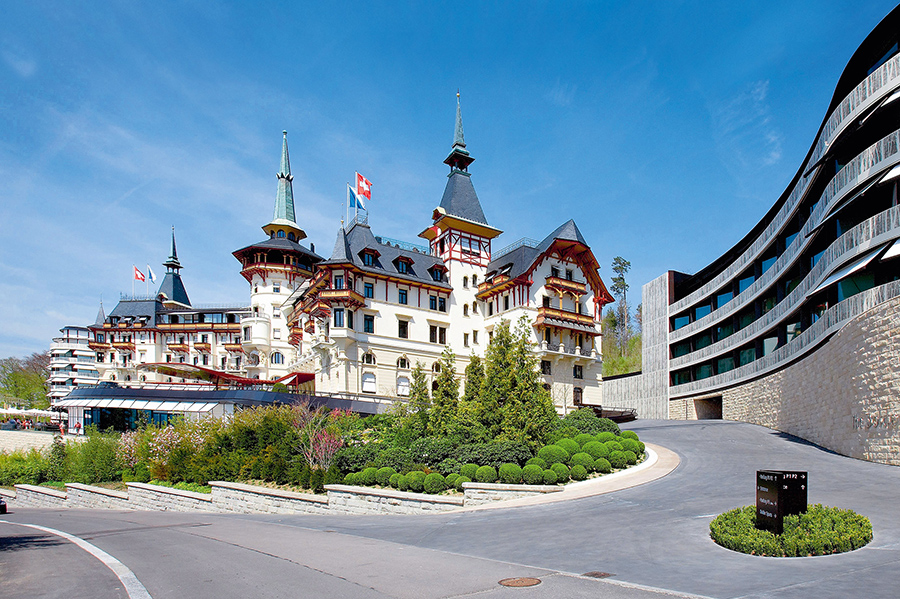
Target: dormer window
{"points": [[368, 259], [339, 282], [436, 274], [403, 265]]}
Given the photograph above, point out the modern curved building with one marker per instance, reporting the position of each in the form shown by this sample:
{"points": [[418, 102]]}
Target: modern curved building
{"points": [[797, 327]]}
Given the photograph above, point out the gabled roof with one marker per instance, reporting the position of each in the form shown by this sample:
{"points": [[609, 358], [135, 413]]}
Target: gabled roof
{"points": [[350, 245], [460, 199], [280, 243], [137, 309]]}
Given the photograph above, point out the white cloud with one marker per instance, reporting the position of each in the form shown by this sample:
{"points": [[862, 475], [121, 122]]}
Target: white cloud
{"points": [[561, 94], [744, 130], [25, 67]]}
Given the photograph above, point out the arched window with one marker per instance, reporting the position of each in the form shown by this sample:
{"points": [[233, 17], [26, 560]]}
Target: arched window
{"points": [[277, 358], [436, 367], [368, 383], [402, 386], [465, 281], [402, 362], [434, 386], [474, 307], [280, 233], [292, 237], [368, 358], [465, 309]]}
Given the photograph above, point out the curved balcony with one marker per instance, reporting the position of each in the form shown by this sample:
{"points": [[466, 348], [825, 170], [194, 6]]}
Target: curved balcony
{"points": [[582, 323], [565, 286]]}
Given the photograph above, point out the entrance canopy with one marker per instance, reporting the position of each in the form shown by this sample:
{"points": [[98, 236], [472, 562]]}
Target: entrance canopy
{"points": [[219, 378]]}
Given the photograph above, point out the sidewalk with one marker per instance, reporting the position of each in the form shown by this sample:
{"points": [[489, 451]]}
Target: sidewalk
{"points": [[24, 440], [660, 462]]}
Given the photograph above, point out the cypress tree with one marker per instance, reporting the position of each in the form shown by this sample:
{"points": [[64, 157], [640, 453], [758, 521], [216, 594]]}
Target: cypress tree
{"points": [[446, 397], [419, 401], [498, 380]]}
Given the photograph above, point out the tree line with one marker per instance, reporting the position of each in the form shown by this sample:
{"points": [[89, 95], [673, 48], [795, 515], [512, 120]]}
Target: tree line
{"points": [[23, 381]]}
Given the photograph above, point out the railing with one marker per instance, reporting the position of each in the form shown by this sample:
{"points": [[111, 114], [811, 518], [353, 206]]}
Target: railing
{"points": [[403, 245], [556, 313], [127, 345], [125, 297], [341, 295], [204, 347], [178, 347], [193, 326], [524, 242], [576, 286], [235, 347], [359, 219]]}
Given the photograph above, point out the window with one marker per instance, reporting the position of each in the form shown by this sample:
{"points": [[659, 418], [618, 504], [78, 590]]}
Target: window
{"points": [[402, 267], [442, 304], [474, 307], [292, 237], [442, 335], [401, 296], [368, 382], [465, 309], [701, 311], [437, 335], [403, 329], [436, 367], [491, 308], [276, 287], [577, 372], [275, 312], [681, 321], [369, 289], [369, 358], [196, 360], [338, 317], [276, 333], [432, 334], [475, 337], [277, 358], [569, 274], [402, 362], [465, 282], [546, 301], [246, 333], [432, 302], [403, 386], [506, 302], [577, 395], [554, 272], [474, 280], [204, 338], [368, 323], [436, 274], [369, 259], [546, 367], [339, 282], [465, 340]]}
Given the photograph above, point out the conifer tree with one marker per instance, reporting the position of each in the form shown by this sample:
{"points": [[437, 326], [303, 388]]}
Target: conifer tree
{"points": [[467, 413], [419, 401], [496, 387], [445, 401]]}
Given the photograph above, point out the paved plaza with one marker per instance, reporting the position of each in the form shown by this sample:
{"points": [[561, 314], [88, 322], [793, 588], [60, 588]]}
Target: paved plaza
{"points": [[651, 539], [25, 440]]}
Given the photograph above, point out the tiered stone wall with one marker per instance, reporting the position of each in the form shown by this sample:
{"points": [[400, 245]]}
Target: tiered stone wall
{"points": [[365, 500], [248, 499], [152, 497], [87, 496], [845, 396], [481, 493], [33, 496]]}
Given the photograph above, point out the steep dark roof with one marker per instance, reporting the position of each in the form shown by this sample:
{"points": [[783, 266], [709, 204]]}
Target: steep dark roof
{"points": [[520, 259], [568, 231], [460, 199], [284, 244], [136, 309], [350, 245], [173, 288]]}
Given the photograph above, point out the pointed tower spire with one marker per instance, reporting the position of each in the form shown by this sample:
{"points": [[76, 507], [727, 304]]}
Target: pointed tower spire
{"points": [[172, 264], [101, 315], [459, 159], [284, 222], [172, 287]]}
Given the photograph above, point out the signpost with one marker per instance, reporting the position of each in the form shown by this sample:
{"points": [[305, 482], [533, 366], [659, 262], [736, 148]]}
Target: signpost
{"points": [[779, 493]]}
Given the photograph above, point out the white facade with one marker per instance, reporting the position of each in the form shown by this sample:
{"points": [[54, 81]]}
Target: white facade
{"points": [[72, 362]]}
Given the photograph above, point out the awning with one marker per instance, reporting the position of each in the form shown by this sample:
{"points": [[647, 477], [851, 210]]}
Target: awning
{"points": [[156, 406]]}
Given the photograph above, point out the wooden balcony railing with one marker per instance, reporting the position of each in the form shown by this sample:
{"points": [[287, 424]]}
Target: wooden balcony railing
{"points": [[565, 315], [576, 287]]}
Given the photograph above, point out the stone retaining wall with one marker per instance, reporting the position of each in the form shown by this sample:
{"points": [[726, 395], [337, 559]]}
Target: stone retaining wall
{"points": [[365, 500], [88, 496], [248, 499], [32, 496], [165, 499], [481, 493]]}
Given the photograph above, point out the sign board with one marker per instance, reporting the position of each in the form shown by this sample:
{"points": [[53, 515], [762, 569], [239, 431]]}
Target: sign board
{"points": [[779, 493]]}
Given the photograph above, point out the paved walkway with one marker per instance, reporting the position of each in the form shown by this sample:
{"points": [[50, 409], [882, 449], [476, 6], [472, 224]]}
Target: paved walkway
{"points": [[24, 440]]}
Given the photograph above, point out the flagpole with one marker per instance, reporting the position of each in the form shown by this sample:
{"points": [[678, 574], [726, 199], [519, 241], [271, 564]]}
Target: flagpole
{"points": [[133, 268], [348, 202]]}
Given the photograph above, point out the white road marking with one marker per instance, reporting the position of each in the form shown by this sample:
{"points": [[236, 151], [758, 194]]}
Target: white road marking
{"points": [[132, 585]]}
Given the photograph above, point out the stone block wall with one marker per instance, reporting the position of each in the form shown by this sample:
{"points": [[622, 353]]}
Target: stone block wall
{"points": [[845, 396], [247, 499], [88, 496], [481, 493], [151, 497], [32, 496], [364, 500]]}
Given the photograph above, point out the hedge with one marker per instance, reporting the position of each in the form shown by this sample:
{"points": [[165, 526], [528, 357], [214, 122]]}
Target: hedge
{"points": [[537, 462], [618, 459], [595, 449], [570, 446], [630, 445], [510, 474], [629, 435], [605, 436], [394, 481], [614, 446], [820, 531], [579, 472], [460, 481], [630, 458], [383, 475], [468, 470], [416, 480], [434, 483], [550, 477], [602, 465], [552, 454], [350, 479], [583, 438], [368, 476], [562, 472], [486, 474], [451, 479], [534, 474], [584, 460], [403, 483]]}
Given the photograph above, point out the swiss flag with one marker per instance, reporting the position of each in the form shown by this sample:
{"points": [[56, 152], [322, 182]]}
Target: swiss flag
{"points": [[363, 187], [138, 275]]}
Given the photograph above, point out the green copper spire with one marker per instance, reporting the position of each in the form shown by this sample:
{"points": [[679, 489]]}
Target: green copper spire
{"points": [[458, 139], [172, 264], [459, 159], [284, 223]]}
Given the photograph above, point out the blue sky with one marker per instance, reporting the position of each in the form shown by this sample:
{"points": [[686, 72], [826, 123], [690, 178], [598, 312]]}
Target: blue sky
{"points": [[666, 129]]}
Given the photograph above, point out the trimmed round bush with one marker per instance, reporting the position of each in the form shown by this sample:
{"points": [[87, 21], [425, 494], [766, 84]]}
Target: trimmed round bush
{"points": [[562, 472], [614, 446], [403, 483], [451, 479], [595, 449], [582, 459], [468, 470], [630, 457], [629, 435], [583, 438], [383, 475], [820, 531], [510, 474], [537, 462], [549, 477], [350, 479], [605, 436], [416, 480], [534, 474], [578, 472], [630, 445], [460, 481], [552, 454], [642, 447], [368, 477], [486, 474], [618, 459], [569, 445], [393, 481], [434, 483], [602, 465]]}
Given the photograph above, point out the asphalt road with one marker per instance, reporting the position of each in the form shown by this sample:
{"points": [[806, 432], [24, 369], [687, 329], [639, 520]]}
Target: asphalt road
{"points": [[654, 535]]}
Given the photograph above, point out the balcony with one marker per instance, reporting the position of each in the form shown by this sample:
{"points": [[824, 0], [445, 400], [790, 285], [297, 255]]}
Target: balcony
{"points": [[568, 349], [99, 346], [556, 315], [178, 347], [203, 347], [565, 285], [497, 284], [219, 327], [123, 345], [346, 296], [235, 347]]}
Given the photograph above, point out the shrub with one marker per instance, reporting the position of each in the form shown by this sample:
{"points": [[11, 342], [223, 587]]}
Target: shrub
{"points": [[586, 421], [584, 460], [383, 475], [614, 446], [595, 449], [332, 475], [570, 446], [393, 457], [451, 479], [434, 483], [303, 479], [537, 462], [94, 460], [19, 467], [486, 474], [552, 454], [618, 459], [494, 454], [357, 457], [630, 457], [562, 472], [642, 447], [416, 480], [549, 476], [317, 480], [511, 474], [533, 474], [369, 476], [448, 466], [630, 445], [57, 468], [350, 478], [394, 481], [820, 531], [629, 435], [579, 472], [460, 481], [431, 450], [563, 431], [403, 483], [583, 438], [602, 465], [605, 436], [468, 470]]}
